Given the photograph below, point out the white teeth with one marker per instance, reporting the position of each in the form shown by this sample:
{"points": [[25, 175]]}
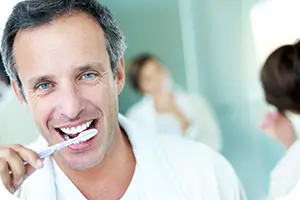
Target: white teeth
{"points": [[66, 137], [77, 129], [80, 129], [73, 130]]}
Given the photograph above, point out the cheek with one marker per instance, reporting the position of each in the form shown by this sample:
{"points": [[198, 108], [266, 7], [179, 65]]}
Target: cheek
{"points": [[160, 79], [41, 109], [102, 96], [147, 84]]}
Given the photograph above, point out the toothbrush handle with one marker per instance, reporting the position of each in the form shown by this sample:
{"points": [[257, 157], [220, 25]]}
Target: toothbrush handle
{"points": [[44, 153], [51, 150]]}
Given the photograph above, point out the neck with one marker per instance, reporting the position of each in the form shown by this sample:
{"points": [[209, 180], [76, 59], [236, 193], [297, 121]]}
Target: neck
{"points": [[112, 175]]}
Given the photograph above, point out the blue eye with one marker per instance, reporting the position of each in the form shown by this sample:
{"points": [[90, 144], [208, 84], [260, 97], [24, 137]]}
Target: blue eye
{"points": [[88, 75], [44, 86]]}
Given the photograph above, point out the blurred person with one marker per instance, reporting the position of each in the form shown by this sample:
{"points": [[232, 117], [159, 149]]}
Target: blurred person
{"points": [[166, 109], [67, 69], [280, 77]]}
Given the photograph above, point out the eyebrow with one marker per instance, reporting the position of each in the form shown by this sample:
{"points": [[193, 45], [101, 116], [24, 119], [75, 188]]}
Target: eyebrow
{"points": [[90, 66], [85, 67]]}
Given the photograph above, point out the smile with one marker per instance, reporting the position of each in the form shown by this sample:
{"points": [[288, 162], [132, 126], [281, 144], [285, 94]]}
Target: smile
{"points": [[72, 132]]}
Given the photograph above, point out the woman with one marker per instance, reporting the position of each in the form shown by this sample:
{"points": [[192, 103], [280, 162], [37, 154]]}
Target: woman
{"points": [[167, 110], [280, 77]]}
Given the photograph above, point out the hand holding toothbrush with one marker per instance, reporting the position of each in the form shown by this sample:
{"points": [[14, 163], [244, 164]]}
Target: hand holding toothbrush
{"points": [[18, 162], [11, 160]]}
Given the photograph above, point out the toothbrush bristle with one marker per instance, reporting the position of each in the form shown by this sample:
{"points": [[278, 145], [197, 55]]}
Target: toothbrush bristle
{"points": [[88, 135]]}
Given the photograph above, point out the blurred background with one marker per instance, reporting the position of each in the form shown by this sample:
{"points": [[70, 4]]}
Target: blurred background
{"points": [[209, 48], [213, 48]]}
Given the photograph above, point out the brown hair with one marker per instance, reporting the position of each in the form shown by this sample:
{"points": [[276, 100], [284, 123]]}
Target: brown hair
{"points": [[280, 77], [136, 66]]}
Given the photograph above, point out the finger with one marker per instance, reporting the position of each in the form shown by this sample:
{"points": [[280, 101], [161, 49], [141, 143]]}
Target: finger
{"points": [[170, 94], [16, 166], [29, 155], [267, 123], [29, 170], [269, 120], [271, 132], [5, 176]]}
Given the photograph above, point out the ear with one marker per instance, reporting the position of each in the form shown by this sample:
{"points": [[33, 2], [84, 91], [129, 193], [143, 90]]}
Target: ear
{"points": [[18, 92], [120, 76]]}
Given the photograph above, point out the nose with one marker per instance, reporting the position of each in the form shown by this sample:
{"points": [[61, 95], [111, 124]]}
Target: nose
{"points": [[70, 102]]}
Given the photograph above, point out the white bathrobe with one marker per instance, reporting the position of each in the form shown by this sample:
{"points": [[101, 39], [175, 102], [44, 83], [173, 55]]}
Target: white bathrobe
{"points": [[204, 126], [171, 169], [294, 194], [286, 174]]}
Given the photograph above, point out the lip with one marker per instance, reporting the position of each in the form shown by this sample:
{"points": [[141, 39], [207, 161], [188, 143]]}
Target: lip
{"points": [[82, 146]]}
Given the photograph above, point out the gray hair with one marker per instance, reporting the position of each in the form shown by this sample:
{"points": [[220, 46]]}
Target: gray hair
{"points": [[33, 13]]}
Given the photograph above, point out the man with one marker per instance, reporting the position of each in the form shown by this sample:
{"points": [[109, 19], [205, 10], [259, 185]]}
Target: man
{"points": [[65, 59], [281, 83], [165, 109]]}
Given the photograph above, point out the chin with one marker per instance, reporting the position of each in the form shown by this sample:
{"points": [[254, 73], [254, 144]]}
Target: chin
{"points": [[84, 160], [82, 166]]}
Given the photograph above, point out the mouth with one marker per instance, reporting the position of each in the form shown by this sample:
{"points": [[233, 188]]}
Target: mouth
{"points": [[68, 133]]}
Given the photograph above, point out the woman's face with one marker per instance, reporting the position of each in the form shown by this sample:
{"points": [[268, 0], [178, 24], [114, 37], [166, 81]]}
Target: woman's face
{"points": [[152, 77]]}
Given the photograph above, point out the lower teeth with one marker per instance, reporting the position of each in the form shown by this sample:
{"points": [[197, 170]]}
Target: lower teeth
{"points": [[67, 137]]}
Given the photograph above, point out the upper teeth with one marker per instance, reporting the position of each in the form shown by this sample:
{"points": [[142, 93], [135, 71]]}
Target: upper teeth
{"points": [[77, 129]]}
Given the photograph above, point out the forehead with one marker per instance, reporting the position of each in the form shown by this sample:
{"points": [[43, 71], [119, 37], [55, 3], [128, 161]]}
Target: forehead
{"points": [[150, 67], [69, 40]]}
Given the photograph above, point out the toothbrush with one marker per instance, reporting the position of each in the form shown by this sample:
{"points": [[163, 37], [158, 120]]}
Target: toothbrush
{"points": [[84, 136]]}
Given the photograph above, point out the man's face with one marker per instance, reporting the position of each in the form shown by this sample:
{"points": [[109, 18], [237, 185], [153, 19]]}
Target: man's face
{"points": [[68, 84], [152, 77]]}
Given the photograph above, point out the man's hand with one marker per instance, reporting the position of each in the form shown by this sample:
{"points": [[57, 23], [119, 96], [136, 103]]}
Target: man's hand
{"points": [[280, 128], [12, 170]]}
